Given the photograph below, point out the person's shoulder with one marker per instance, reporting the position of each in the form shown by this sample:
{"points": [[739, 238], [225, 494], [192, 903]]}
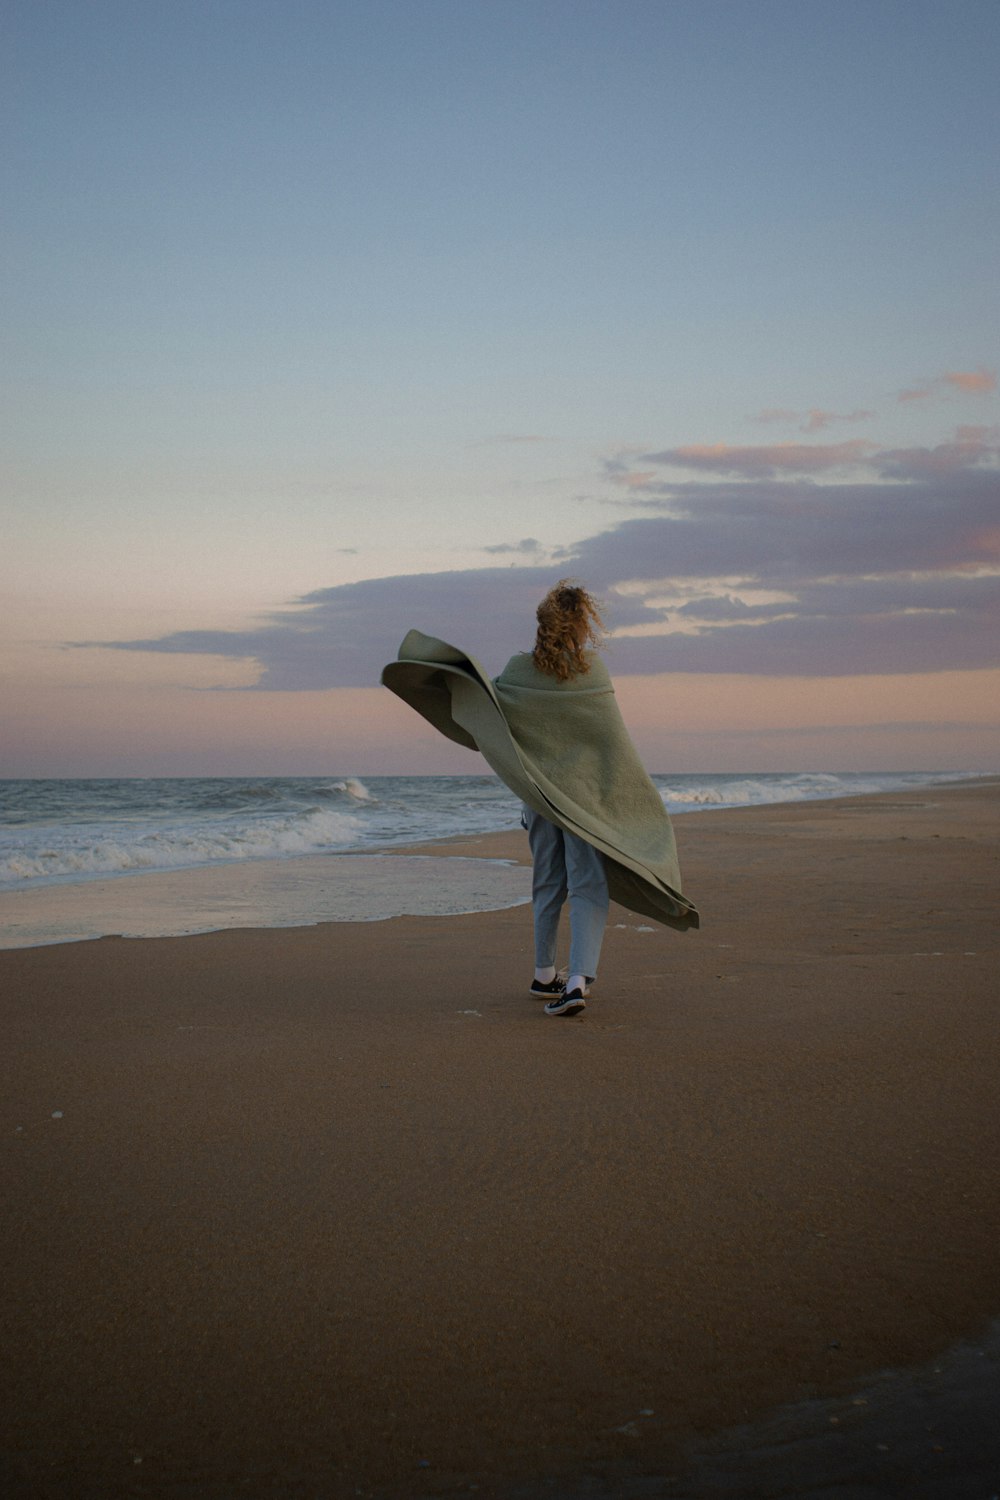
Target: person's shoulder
{"points": [[519, 666], [597, 673], [595, 661]]}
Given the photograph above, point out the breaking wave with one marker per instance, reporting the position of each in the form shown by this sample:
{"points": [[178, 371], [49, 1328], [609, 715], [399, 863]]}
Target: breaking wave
{"points": [[85, 850], [64, 831]]}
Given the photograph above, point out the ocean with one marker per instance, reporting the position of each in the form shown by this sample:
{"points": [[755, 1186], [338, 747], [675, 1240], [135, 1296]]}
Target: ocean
{"points": [[70, 831], [152, 856]]}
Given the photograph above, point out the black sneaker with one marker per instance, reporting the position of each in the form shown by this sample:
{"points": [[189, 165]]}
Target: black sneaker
{"points": [[547, 991], [566, 1005]]}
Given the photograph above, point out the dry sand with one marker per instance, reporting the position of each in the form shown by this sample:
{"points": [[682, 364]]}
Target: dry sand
{"points": [[337, 1210]]}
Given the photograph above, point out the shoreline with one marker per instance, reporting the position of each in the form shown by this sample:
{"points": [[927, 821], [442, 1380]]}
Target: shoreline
{"points": [[320, 1209], [264, 895], [305, 890]]}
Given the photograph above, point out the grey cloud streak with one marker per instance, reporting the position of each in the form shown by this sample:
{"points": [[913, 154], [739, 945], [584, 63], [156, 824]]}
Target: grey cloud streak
{"points": [[528, 546], [884, 577], [814, 420], [971, 449], [764, 462]]}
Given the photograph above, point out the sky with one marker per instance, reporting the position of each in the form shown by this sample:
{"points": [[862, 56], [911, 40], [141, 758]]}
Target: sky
{"points": [[326, 319]]}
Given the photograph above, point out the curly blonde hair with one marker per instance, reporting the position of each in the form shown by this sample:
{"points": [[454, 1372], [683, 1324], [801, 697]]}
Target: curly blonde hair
{"points": [[568, 620]]}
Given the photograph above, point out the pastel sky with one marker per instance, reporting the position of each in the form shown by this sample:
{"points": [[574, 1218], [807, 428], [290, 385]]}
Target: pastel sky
{"points": [[328, 318]]}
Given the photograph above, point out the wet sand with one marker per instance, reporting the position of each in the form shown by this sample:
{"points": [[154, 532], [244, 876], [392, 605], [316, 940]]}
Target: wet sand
{"points": [[336, 1210], [259, 893]]}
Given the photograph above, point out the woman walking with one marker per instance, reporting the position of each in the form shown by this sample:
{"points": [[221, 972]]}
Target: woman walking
{"points": [[563, 864], [550, 728]]}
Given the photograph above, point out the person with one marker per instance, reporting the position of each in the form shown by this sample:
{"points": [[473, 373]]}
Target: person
{"points": [[563, 864], [549, 726]]}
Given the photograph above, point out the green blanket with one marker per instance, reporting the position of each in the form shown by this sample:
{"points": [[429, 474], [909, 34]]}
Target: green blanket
{"points": [[561, 747]]}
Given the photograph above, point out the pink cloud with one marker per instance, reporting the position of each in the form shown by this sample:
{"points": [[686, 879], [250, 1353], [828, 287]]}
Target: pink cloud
{"points": [[980, 382], [917, 393], [969, 382]]}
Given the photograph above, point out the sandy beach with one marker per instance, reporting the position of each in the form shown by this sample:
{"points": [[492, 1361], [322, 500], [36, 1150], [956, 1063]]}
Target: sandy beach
{"points": [[336, 1210]]}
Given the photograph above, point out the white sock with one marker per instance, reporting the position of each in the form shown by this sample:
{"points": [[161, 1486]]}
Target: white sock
{"points": [[545, 976], [577, 982]]}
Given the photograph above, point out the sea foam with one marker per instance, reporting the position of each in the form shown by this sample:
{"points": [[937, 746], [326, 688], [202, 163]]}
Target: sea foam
{"points": [[92, 850]]}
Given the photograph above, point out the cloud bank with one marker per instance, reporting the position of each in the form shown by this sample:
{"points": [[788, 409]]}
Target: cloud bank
{"points": [[781, 560]]}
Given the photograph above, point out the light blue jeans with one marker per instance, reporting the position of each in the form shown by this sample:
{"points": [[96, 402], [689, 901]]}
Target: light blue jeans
{"points": [[562, 865]]}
